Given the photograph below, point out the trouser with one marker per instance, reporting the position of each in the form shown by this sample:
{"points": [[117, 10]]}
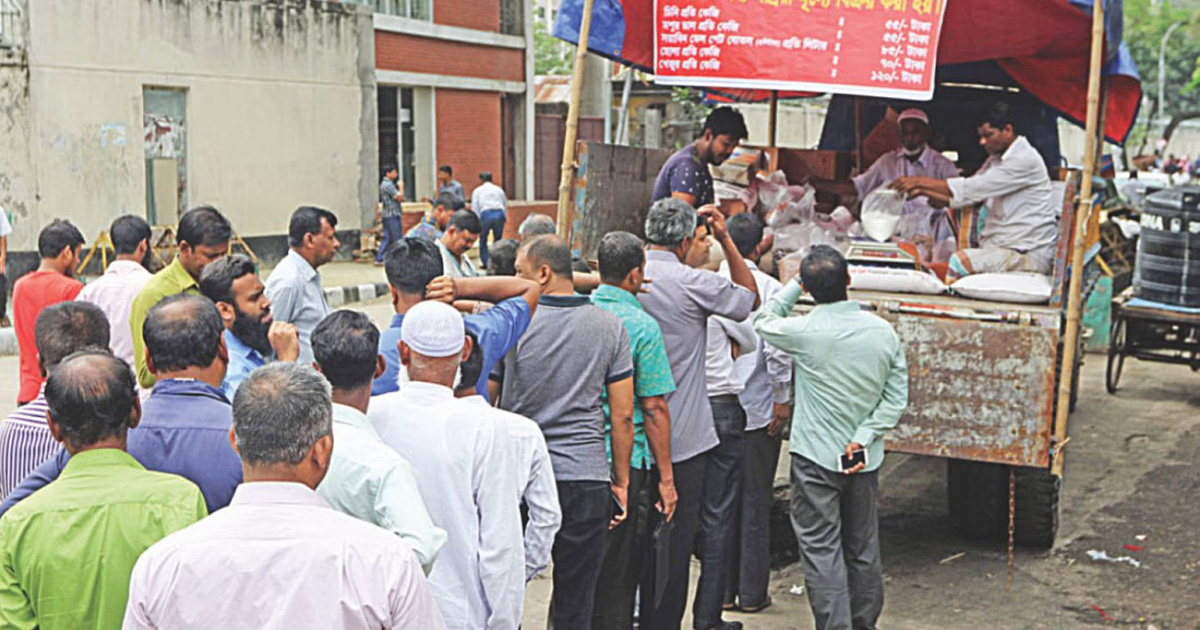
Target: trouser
{"points": [[578, 551], [493, 225], [750, 555], [718, 508], [837, 526], [988, 259], [689, 488], [393, 231], [625, 551]]}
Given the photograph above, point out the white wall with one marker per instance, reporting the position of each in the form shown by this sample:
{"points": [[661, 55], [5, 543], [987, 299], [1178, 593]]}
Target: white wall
{"points": [[280, 109]]}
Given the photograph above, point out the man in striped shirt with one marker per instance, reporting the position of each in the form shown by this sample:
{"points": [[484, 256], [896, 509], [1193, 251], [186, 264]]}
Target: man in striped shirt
{"points": [[25, 439]]}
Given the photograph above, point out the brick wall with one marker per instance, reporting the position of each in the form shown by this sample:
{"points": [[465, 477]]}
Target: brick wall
{"points": [[483, 15], [409, 53], [468, 135]]}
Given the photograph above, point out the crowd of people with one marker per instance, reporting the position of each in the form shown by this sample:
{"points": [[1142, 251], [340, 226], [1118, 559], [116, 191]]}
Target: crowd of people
{"points": [[198, 448]]}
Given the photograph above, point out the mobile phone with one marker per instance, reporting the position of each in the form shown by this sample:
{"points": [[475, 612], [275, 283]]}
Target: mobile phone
{"points": [[846, 462], [617, 508]]}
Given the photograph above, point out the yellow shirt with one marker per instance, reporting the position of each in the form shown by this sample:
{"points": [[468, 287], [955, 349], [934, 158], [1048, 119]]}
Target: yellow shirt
{"points": [[171, 280]]}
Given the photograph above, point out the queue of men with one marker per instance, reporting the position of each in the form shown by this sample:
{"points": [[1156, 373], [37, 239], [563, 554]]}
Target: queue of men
{"points": [[262, 460]]}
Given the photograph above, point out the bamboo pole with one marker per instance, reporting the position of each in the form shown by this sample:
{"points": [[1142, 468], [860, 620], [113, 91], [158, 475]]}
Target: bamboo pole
{"points": [[572, 131], [772, 119], [1071, 335]]}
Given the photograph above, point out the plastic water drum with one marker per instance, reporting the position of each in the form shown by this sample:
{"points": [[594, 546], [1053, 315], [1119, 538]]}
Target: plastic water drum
{"points": [[1168, 256]]}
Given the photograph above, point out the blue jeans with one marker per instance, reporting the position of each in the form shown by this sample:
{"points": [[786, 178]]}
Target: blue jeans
{"points": [[393, 230], [493, 224]]}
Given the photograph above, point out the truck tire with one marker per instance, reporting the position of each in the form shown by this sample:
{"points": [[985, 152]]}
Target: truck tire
{"points": [[978, 501]]}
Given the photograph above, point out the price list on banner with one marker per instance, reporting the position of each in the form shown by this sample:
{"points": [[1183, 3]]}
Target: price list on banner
{"points": [[885, 48]]}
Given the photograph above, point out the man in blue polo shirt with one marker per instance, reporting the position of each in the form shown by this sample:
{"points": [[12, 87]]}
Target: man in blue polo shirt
{"points": [[414, 271], [185, 422]]}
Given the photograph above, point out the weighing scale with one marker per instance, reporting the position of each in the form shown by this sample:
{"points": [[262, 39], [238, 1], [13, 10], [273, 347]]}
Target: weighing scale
{"points": [[864, 251]]}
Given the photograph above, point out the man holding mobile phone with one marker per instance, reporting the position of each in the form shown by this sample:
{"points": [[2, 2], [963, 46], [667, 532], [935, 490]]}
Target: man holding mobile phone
{"points": [[851, 387]]}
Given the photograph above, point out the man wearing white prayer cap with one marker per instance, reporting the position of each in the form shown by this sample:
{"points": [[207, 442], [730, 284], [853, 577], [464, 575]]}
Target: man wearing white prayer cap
{"points": [[922, 225], [460, 458]]}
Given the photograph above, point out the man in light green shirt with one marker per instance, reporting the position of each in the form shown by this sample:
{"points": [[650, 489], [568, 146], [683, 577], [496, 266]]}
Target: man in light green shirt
{"points": [[203, 236], [66, 552], [367, 479], [851, 388]]}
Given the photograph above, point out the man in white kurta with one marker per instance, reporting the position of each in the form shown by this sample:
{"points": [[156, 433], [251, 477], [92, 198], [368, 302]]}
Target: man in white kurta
{"points": [[461, 460], [278, 556]]}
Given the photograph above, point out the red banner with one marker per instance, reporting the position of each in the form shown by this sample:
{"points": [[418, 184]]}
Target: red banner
{"points": [[885, 48]]}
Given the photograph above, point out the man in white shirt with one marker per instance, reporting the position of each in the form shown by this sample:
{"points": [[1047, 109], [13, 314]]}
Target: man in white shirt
{"points": [[1020, 225], [489, 202], [461, 233], [122, 281], [766, 373], [461, 460], [278, 556], [531, 467], [367, 479]]}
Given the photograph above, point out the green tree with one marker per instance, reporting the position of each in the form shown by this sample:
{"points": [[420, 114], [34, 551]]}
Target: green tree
{"points": [[1146, 22], [550, 54]]}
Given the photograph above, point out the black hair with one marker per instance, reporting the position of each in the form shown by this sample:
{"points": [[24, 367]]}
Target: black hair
{"points": [[65, 327], [465, 221], [450, 201], [726, 121], [485, 176], [183, 331], [346, 346], [127, 232], [411, 263], [57, 236], [618, 254], [91, 396], [216, 281], [203, 226], [307, 220], [445, 168], [388, 167], [999, 115], [502, 258], [552, 251], [470, 370], [746, 230], [824, 274]]}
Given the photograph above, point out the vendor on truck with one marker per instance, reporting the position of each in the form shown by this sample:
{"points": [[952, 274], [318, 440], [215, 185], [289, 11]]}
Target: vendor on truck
{"points": [[685, 175], [923, 225], [1019, 222]]}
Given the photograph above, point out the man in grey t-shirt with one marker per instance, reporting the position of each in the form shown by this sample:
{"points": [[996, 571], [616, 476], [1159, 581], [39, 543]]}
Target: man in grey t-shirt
{"points": [[571, 353]]}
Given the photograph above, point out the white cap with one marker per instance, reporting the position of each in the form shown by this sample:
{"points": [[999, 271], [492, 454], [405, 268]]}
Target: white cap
{"points": [[433, 329], [912, 113]]}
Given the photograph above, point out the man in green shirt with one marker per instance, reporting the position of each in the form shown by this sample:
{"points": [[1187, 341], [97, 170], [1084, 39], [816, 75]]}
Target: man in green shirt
{"points": [[203, 236], [851, 388], [67, 551], [622, 272]]}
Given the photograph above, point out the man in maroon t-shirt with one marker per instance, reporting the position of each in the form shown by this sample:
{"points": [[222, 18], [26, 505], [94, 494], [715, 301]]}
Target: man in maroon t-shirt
{"points": [[52, 282]]}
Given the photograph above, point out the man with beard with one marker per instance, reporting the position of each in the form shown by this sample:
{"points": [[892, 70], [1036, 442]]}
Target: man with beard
{"points": [[251, 335], [685, 175]]}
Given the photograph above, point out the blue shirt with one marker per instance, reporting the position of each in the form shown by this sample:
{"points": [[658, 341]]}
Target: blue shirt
{"points": [[497, 330], [294, 289], [685, 172], [184, 431], [242, 361]]}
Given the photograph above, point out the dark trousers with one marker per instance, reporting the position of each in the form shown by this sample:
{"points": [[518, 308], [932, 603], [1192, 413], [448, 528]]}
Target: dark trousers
{"points": [[750, 555], [393, 231], [493, 225], [837, 526], [3, 295], [578, 551], [718, 509], [689, 487], [625, 552]]}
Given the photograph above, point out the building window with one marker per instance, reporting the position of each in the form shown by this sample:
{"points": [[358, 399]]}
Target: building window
{"points": [[10, 22], [414, 9]]}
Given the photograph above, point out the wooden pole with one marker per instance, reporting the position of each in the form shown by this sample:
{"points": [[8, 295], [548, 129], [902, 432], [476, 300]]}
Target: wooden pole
{"points": [[1074, 297], [773, 119], [572, 131]]}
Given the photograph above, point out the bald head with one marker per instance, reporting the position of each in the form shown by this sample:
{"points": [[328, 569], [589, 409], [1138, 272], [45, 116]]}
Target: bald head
{"points": [[183, 331], [547, 251], [536, 225], [91, 398]]}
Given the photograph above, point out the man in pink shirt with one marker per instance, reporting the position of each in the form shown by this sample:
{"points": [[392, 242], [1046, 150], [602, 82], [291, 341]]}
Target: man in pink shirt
{"points": [[52, 282], [122, 281]]}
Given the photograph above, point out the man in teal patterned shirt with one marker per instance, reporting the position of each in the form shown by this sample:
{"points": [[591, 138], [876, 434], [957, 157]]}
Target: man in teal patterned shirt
{"points": [[622, 269]]}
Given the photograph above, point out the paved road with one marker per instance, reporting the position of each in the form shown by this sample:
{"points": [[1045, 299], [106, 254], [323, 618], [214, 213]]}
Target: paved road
{"points": [[1131, 471]]}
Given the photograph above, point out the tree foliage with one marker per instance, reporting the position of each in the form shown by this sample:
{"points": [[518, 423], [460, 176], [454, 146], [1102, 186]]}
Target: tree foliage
{"points": [[1146, 21], [550, 54]]}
